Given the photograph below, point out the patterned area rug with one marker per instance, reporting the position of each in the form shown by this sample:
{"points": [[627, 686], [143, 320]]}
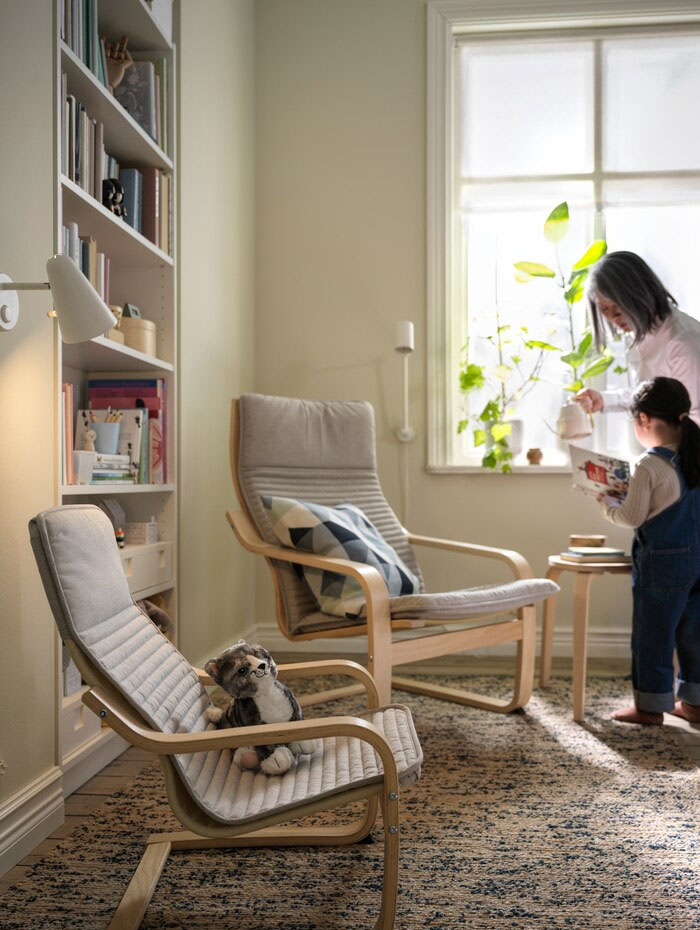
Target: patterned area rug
{"points": [[522, 821]]}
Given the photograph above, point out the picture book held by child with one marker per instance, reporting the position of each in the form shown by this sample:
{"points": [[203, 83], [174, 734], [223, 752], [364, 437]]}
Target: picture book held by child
{"points": [[596, 473]]}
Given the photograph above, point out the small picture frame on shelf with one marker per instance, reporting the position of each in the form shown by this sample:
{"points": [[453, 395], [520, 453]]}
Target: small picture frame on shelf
{"points": [[131, 310]]}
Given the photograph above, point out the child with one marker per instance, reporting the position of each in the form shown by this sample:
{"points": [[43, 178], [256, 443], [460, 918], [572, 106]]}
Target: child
{"points": [[663, 507]]}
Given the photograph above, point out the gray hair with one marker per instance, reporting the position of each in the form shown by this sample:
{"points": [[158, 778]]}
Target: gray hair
{"points": [[627, 280]]}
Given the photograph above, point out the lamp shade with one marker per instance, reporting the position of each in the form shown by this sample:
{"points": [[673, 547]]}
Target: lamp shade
{"points": [[81, 311]]}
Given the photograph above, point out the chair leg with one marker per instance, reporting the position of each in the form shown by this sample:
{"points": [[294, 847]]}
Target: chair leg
{"points": [[522, 688], [132, 907], [390, 883]]}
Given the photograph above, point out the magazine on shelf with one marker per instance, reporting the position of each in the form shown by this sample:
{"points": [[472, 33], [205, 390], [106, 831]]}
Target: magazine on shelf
{"points": [[597, 473]]}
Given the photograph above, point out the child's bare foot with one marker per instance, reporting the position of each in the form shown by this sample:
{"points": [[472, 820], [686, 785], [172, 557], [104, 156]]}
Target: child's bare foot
{"points": [[690, 712], [634, 715]]}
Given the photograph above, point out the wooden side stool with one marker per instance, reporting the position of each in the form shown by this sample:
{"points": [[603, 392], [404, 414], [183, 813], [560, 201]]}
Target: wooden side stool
{"points": [[584, 573]]}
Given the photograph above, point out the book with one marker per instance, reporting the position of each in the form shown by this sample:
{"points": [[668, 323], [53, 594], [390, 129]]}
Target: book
{"points": [[132, 180], [584, 559], [597, 473], [137, 94]]}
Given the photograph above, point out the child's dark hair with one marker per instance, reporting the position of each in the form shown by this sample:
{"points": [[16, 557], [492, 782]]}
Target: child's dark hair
{"points": [[628, 281], [667, 399]]}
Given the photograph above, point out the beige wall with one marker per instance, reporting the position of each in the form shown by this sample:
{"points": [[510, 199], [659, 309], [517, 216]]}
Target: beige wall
{"points": [[216, 170], [27, 638], [341, 244]]}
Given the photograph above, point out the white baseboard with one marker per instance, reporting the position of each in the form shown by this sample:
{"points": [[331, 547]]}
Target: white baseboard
{"points": [[29, 816], [603, 643], [90, 758]]}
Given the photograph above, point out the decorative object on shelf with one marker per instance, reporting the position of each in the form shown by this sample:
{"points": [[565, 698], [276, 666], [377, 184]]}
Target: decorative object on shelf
{"points": [[87, 440], [142, 534], [107, 439], [139, 334], [131, 311], [115, 334], [119, 536], [582, 358], [114, 511], [118, 59], [81, 312], [404, 345], [534, 456], [113, 196]]}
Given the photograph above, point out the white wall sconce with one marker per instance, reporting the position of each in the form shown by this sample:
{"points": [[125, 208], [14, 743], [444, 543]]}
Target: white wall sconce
{"points": [[81, 312], [404, 345]]}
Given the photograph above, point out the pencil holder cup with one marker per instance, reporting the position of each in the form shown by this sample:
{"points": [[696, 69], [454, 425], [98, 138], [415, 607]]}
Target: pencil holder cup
{"points": [[107, 437]]}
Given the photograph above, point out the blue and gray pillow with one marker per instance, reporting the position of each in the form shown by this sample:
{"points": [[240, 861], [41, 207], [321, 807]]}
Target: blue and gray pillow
{"points": [[341, 532]]}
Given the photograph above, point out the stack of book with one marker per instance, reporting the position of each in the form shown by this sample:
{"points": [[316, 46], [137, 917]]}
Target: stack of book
{"points": [[112, 469], [147, 202], [143, 425], [143, 92], [77, 20], [594, 554]]}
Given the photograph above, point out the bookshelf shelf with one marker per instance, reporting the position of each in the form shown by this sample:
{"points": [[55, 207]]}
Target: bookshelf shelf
{"points": [[102, 354], [108, 490], [123, 244], [124, 139], [132, 18]]}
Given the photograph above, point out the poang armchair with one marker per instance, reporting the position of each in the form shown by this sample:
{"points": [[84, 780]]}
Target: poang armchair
{"points": [[324, 452]]}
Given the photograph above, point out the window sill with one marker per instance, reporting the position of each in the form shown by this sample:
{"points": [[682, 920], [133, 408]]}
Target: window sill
{"points": [[517, 470]]}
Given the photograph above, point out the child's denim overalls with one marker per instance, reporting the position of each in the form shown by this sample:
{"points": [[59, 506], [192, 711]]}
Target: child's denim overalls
{"points": [[666, 594]]}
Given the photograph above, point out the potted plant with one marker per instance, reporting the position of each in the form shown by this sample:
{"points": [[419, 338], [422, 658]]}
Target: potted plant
{"points": [[519, 361]]}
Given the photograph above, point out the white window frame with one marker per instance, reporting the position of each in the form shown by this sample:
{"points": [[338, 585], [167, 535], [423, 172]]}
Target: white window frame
{"points": [[448, 19]]}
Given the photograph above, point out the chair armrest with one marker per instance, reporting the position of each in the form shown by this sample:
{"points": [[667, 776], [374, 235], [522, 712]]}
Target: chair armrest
{"points": [[371, 581], [333, 667], [103, 704], [518, 563], [204, 677]]}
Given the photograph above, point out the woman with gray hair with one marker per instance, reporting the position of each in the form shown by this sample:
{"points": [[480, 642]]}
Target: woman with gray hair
{"points": [[625, 295]]}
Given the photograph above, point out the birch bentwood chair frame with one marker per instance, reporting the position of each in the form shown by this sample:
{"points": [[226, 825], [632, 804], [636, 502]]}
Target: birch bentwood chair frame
{"points": [[146, 691], [324, 452]]}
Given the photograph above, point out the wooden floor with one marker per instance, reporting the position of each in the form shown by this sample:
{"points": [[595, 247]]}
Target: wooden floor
{"points": [[124, 769]]}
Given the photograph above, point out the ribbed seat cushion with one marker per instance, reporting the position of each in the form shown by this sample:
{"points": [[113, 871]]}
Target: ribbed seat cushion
{"points": [[86, 587], [449, 606]]}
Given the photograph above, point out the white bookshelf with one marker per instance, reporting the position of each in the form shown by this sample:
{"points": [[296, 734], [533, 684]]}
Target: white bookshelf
{"points": [[141, 273]]}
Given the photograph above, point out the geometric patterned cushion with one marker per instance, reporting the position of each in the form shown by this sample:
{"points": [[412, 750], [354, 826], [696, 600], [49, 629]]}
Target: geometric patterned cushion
{"points": [[343, 532]]}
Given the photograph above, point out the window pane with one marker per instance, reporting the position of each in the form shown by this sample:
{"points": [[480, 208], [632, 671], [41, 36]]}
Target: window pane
{"points": [[525, 110], [661, 222], [652, 87], [497, 233]]}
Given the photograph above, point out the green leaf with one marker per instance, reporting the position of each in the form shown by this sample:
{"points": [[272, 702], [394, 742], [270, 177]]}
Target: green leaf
{"points": [[499, 431], [598, 367], [556, 225], [490, 412], [574, 359], [594, 251], [471, 376], [574, 386], [516, 359], [501, 372], [461, 426], [538, 344], [506, 469], [479, 437], [533, 270], [585, 344], [620, 369], [573, 294], [489, 460]]}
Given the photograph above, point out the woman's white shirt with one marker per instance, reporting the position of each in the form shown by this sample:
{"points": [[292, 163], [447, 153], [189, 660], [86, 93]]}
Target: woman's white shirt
{"points": [[671, 351]]}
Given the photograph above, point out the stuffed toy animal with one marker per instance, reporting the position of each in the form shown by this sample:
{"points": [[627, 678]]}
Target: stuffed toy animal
{"points": [[249, 674]]}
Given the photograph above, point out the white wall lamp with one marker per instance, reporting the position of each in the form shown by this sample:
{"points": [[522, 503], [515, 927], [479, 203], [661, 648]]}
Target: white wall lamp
{"points": [[81, 312], [403, 344]]}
